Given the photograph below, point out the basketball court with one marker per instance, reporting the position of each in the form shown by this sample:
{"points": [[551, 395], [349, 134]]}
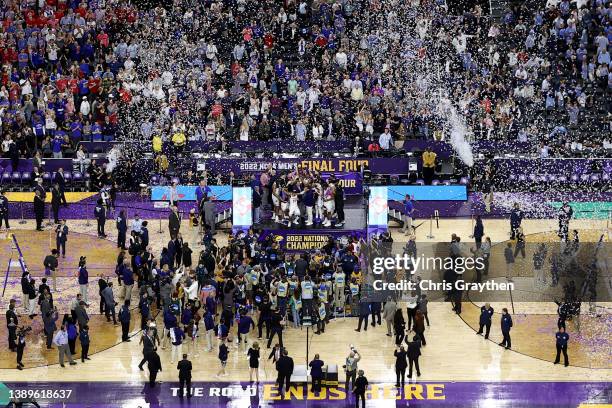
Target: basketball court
{"points": [[459, 368]]}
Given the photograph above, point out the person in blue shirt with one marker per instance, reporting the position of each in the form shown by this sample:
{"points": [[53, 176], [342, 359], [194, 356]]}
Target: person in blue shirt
{"points": [[128, 281], [76, 130], [506, 325], [170, 321], [408, 214], [72, 335], [245, 325], [56, 146], [561, 340]]}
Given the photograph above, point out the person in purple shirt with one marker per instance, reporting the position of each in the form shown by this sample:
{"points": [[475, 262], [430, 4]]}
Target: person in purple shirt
{"points": [[56, 146]]}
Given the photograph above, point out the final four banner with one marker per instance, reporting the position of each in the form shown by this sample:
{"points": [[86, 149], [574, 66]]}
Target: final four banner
{"points": [[338, 165]]}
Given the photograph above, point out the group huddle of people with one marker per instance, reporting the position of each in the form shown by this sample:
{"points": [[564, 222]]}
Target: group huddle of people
{"points": [[299, 198]]}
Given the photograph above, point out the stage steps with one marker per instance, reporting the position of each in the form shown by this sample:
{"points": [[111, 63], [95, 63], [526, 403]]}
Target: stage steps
{"points": [[394, 213]]}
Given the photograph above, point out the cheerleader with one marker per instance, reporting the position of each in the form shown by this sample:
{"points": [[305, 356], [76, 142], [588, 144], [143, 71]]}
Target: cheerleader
{"points": [[329, 205]]}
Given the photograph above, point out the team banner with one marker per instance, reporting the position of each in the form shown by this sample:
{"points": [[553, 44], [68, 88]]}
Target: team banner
{"points": [[236, 394], [188, 193], [337, 165], [299, 241]]}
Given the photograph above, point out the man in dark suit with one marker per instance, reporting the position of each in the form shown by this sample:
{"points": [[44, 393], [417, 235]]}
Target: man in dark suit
{"points": [[232, 123], [39, 209], [359, 389], [36, 174], [60, 181], [144, 235], [284, 366], [100, 214], [174, 222], [400, 365], [316, 373], [56, 199], [4, 210], [11, 324], [39, 187], [50, 263], [506, 325], [486, 313], [121, 229], [276, 328], [154, 364], [124, 317], [61, 236], [414, 351], [184, 367], [148, 346]]}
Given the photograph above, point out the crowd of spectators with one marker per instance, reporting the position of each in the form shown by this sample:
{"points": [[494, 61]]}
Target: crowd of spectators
{"points": [[63, 63], [301, 70]]}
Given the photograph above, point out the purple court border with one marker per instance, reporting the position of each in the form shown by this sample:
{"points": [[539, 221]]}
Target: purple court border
{"points": [[236, 394]]}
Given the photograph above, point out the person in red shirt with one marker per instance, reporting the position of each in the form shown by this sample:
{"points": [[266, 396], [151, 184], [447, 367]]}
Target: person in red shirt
{"points": [[103, 39], [374, 147], [73, 84], [94, 85], [268, 40], [321, 41], [61, 84], [81, 10]]}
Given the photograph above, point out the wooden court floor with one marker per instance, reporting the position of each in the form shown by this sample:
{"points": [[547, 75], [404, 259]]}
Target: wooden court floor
{"points": [[453, 351]]}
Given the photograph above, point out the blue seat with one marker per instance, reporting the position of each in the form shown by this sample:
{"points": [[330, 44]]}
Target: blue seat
{"points": [[6, 179], [26, 178]]}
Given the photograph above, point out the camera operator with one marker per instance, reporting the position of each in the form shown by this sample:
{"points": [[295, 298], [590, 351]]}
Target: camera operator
{"points": [[21, 335]]}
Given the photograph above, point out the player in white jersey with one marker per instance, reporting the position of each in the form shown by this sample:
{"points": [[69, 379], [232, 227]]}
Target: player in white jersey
{"points": [[294, 209]]}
